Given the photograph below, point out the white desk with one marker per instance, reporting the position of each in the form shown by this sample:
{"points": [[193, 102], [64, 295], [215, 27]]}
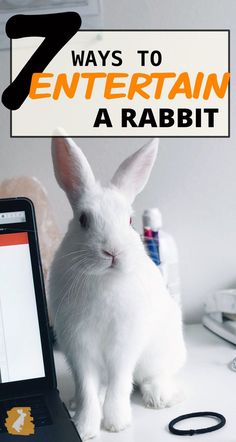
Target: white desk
{"points": [[210, 386]]}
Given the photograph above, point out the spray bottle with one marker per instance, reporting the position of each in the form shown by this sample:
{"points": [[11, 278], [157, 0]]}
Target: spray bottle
{"points": [[166, 250]]}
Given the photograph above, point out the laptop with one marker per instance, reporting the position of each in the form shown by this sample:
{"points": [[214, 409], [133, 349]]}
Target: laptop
{"points": [[30, 405]]}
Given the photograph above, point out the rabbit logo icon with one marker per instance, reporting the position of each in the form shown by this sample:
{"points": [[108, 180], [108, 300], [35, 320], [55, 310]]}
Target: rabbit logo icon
{"points": [[20, 421]]}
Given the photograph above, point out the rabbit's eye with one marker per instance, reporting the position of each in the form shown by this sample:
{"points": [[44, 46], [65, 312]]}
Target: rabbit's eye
{"points": [[130, 220], [84, 221]]}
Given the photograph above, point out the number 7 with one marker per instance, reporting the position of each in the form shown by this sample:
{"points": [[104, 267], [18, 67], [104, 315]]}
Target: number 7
{"points": [[57, 29]]}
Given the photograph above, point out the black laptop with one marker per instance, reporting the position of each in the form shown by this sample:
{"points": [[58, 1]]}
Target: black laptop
{"points": [[30, 405]]}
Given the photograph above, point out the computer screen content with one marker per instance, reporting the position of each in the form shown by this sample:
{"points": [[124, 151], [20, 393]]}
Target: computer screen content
{"points": [[21, 355]]}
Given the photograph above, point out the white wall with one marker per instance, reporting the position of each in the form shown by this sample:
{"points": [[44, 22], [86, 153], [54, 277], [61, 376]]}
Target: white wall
{"points": [[194, 180]]}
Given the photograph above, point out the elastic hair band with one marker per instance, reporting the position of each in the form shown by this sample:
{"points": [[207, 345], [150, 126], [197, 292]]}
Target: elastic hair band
{"points": [[218, 416]]}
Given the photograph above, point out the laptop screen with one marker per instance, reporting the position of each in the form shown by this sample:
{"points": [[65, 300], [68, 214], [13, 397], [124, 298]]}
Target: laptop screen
{"points": [[21, 354]]}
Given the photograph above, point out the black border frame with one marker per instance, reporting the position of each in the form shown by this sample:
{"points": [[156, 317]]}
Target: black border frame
{"points": [[31, 386], [136, 135]]}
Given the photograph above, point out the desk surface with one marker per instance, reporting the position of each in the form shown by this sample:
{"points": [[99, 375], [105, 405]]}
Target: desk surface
{"points": [[209, 384]]}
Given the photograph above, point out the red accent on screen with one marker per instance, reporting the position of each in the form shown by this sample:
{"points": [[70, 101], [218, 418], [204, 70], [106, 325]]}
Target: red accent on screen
{"points": [[13, 239]]}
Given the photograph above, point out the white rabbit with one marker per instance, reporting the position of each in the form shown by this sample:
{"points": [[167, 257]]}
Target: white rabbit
{"points": [[113, 316]]}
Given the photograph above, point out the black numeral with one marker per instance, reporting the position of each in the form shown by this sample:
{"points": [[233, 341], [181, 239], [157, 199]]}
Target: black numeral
{"points": [[57, 29]]}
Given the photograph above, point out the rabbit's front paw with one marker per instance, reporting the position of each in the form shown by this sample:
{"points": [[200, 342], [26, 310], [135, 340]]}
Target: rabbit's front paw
{"points": [[117, 417], [157, 395], [87, 427]]}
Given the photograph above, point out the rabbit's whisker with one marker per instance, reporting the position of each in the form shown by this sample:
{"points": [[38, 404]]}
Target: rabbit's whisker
{"points": [[64, 288], [69, 254]]}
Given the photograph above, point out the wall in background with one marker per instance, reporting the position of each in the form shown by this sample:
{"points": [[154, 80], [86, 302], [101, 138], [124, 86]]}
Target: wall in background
{"points": [[193, 181]]}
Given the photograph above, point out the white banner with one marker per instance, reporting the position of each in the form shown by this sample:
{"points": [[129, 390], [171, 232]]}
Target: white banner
{"points": [[128, 83]]}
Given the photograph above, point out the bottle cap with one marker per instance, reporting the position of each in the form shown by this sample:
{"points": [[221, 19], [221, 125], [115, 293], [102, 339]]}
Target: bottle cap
{"points": [[147, 232], [152, 218]]}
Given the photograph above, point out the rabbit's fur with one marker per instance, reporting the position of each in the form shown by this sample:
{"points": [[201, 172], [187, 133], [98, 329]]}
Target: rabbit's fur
{"points": [[113, 316]]}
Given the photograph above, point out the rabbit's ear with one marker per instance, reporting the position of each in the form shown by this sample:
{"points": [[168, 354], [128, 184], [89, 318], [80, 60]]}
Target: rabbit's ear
{"points": [[132, 175], [71, 168]]}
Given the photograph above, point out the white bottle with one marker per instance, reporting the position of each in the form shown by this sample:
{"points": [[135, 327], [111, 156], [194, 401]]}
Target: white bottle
{"points": [[169, 261]]}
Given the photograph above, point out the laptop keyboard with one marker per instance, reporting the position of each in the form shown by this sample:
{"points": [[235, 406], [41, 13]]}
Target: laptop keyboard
{"points": [[39, 410]]}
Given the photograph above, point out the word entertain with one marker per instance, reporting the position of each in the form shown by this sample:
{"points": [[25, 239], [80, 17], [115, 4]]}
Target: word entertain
{"points": [[122, 85]]}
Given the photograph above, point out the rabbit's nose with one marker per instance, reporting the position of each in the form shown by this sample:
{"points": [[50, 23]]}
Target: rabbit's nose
{"points": [[110, 254]]}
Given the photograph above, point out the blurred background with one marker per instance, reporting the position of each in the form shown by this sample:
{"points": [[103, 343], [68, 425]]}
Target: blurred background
{"points": [[194, 179]]}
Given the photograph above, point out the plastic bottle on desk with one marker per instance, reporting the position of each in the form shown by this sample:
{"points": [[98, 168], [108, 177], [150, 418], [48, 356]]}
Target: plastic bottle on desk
{"points": [[166, 250]]}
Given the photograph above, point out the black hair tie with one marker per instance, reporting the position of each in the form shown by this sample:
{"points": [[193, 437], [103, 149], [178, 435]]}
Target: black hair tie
{"points": [[218, 416]]}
